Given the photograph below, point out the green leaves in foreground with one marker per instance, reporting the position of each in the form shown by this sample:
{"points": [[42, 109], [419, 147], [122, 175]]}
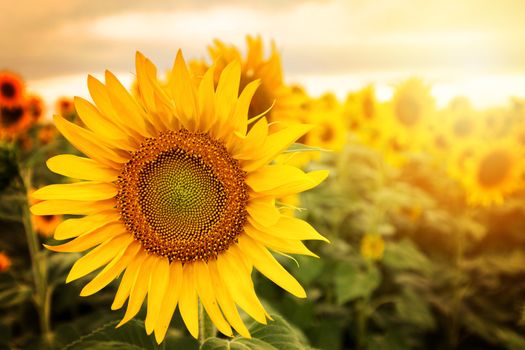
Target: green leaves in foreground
{"points": [[276, 335]]}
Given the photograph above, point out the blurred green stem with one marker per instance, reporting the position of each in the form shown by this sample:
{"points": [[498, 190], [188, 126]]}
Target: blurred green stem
{"points": [[206, 327], [42, 295], [361, 322], [457, 292]]}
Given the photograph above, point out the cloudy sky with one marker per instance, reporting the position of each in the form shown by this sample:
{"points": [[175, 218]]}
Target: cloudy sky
{"points": [[469, 47]]}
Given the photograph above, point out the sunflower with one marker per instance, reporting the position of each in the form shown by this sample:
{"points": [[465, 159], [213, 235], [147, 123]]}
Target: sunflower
{"points": [[14, 120], [35, 104], [372, 246], [5, 262], [45, 225], [492, 172], [361, 108], [46, 133], [65, 107], [273, 97], [11, 89], [179, 196]]}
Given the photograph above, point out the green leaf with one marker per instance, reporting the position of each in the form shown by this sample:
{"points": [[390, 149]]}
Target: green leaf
{"points": [[276, 335], [404, 255], [299, 147], [132, 335], [353, 281]]}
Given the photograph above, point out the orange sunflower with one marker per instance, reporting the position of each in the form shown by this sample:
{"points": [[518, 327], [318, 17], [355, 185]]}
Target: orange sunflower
{"points": [[11, 89]]}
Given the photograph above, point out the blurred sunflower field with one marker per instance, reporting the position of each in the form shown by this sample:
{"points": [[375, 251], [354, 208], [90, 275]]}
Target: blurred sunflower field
{"points": [[411, 213]]}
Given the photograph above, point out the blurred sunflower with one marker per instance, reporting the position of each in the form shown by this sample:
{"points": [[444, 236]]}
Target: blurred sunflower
{"points": [[329, 131], [35, 105], [179, 196], [14, 120], [493, 171], [45, 225], [360, 108], [11, 89], [65, 107], [412, 107], [372, 246], [5, 262], [273, 90], [46, 133]]}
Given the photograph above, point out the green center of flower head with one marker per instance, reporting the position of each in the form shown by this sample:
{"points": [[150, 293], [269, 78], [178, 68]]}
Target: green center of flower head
{"points": [[183, 196], [494, 168]]}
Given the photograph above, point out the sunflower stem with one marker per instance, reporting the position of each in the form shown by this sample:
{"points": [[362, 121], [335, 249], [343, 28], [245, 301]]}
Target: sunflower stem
{"points": [[206, 327], [42, 296]]}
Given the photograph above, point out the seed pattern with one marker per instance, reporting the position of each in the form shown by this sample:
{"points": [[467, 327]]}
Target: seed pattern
{"points": [[183, 196]]}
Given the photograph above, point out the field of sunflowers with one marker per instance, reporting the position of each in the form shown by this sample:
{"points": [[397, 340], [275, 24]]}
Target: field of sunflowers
{"points": [[233, 210]]}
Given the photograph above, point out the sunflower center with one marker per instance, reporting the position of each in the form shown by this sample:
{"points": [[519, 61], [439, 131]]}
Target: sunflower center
{"points": [[408, 110], [494, 168], [10, 115], [7, 89], [183, 196], [328, 133]]}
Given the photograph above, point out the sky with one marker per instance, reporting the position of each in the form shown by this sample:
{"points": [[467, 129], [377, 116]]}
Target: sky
{"points": [[474, 48]]}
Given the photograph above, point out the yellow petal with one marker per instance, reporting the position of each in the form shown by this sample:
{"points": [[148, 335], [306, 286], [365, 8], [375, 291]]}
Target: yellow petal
{"points": [[125, 105], [283, 245], [263, 211], [188, 304], [226, 301], [81, 168], [268, 266], [128, 280], [240, 115], [290, 228], [82, 191], [240, 286], [111, 270], [102, 126], [283, 180], [99, 256], [207, 297], [139, 290], [100, 96], [253, 142], [143, 82], [89, 143], [158, 287], [206, 95], [59, 207], [169, 301], [184, 94], [226, 98], [75, 227], [90, 239], [275, 144]]}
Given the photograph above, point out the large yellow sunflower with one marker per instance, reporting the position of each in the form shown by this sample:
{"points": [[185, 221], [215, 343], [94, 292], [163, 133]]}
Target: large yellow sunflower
{"points": [[178, 196], [493, 171], [255, 65]]}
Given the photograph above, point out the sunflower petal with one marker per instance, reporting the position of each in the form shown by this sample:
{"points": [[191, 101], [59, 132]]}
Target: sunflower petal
{"points": [[128, 280], [169, 302], [139, 290], [102, 126], [226, 98], [90, 239], [158, 285], [82, 191], [226, 302], [268, 266], [263, 211], [206, 97], [274, 144], [283, 245], [240, 286], [208, 299], [253, 141], [188, 303], [291, 228], [75, 227], [184, 94], [112, 270], [89, 143], [81, 168], [59, 207], [99, 256]]}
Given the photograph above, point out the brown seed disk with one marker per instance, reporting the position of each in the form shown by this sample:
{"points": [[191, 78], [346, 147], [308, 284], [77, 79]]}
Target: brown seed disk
{"points": [[183, 196]]}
